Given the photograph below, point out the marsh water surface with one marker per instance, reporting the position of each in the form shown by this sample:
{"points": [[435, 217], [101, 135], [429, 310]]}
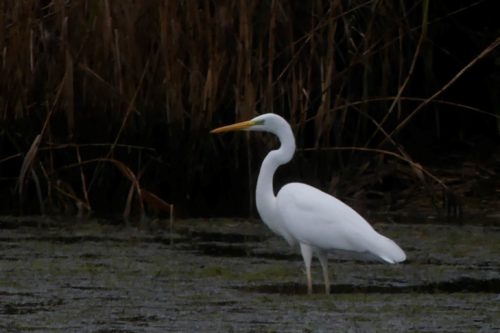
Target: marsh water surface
{"points": [[234, 275]]}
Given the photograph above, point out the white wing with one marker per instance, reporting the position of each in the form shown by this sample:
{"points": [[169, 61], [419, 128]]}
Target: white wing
{"points": [[318, 219]]}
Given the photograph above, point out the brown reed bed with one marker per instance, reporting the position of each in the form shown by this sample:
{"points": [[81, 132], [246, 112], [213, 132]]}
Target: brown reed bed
{"points": [[105, 101]]}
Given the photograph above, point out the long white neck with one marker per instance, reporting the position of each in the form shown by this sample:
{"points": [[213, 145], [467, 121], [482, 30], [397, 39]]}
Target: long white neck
{"points": [[265, 198]]}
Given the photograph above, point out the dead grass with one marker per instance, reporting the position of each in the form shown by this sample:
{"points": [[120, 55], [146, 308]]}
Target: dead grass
{"points": [[118, 73]]}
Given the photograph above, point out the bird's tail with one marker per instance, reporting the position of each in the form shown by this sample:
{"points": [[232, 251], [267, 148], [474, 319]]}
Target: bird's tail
{"points": [[388, 250]]}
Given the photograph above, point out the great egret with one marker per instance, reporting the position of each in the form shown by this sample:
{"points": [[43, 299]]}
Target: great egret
{"points": [[305, 216]]}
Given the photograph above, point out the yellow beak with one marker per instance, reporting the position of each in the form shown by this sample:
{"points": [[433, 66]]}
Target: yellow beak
{"points": [[234, 127]]}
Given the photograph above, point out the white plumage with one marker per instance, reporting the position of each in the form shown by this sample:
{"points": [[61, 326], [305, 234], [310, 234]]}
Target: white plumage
{"points": [[344, 230], [305, 216]]}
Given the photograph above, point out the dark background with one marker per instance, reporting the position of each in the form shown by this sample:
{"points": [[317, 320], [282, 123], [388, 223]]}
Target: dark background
{"points": [[123, 98]]}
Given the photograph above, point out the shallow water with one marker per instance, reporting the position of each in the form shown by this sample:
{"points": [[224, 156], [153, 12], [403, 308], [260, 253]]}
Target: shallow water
{"points": [[234, 275]]}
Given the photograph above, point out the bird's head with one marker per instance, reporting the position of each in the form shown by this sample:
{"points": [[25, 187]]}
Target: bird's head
{"points": [[268, 122]]}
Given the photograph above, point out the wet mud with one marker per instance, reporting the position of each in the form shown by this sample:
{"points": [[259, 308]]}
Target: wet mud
{"points": [[235, 276]]}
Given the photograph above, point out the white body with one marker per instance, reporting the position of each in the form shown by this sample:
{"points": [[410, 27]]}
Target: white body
{"points": [[312, 222]]}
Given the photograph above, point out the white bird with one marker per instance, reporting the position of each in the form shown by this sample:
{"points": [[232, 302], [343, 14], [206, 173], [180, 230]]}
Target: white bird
{"points": [[305, 216]]}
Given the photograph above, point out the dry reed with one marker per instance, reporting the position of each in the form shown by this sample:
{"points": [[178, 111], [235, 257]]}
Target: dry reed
{"points": [[160, 73]]}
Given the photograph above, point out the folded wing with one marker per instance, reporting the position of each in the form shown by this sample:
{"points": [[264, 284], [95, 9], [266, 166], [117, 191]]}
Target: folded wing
{"points": [[318, 219]]}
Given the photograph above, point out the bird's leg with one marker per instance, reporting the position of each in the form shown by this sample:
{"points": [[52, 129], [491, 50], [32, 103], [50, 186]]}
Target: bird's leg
{"points": [[307, 256], [323, 259]]}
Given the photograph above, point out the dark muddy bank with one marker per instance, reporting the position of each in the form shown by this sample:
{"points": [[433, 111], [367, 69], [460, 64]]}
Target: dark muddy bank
{"points": [[235, 276]]}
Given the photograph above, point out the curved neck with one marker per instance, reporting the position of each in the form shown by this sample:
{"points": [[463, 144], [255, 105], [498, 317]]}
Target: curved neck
{"points": [[265, 198]]}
